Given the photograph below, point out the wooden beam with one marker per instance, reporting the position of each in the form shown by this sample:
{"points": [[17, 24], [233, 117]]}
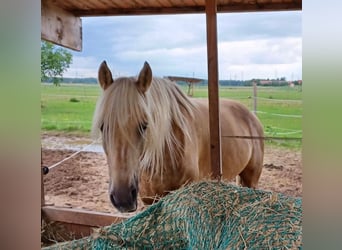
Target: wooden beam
{"points": [[80, 216], [188, 9], [70, 223], [257, 7], [60, 27], [42, 193], [214, 107]]}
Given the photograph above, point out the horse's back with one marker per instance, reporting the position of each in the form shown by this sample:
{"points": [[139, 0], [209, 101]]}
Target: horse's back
{"points": [[239, 151]]}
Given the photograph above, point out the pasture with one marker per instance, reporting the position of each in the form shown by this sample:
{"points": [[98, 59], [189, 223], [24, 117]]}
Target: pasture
{"points": [[70, 107]]}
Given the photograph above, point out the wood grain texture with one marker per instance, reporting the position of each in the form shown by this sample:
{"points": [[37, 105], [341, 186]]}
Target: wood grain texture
{"points": [[61, 27], [150, 7], [80, 217], [213, 95]]}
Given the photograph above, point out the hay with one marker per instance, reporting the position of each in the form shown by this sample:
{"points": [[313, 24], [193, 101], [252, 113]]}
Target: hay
{"points": [[53, 232], [206, 215]]}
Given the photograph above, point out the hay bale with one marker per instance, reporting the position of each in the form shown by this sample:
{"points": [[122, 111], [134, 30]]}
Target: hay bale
{"points": [[206, 215]]}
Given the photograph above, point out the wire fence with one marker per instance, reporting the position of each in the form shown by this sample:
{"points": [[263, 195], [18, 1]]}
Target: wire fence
{"points": [[278, 100], [271, 131]]}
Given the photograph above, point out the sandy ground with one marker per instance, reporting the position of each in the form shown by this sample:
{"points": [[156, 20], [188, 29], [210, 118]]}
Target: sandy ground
{"points": [[82, 181]]}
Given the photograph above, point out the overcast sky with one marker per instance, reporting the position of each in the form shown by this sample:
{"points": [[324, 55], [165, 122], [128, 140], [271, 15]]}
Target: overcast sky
{"points": [[251, 45]]}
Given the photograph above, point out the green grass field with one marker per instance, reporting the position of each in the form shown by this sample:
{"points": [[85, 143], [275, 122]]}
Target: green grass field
{"points": [[70, 107]]}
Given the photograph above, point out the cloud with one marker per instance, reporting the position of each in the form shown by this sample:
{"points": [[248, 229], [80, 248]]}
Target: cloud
{"points": [[252, 43], [263, 25], [82, 66], [148, 32], [265, 51], [266, 58]]}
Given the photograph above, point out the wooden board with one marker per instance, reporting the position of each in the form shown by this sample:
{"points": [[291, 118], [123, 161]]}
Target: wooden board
{"points": [[61, 27], [80, 216], [77, 223]]}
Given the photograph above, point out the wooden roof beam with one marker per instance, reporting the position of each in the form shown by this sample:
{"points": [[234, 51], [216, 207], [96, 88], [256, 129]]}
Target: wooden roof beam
{"points": [[61, 27], [188, 9]]}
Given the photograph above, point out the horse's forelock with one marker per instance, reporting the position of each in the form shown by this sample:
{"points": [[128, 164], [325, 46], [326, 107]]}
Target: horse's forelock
{"points": [[120, 105], [162, 105]]}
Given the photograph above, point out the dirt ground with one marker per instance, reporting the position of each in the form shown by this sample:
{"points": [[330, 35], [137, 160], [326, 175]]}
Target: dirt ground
{"points": [[82, 181]]}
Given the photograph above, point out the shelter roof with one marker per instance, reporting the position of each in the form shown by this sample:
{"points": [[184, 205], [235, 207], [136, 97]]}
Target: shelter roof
{"points": [[144, 7], [184, 79], [61, 19]]}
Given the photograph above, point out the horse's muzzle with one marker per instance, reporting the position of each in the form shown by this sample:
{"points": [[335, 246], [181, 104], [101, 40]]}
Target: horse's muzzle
{"points": [[125, 199]]}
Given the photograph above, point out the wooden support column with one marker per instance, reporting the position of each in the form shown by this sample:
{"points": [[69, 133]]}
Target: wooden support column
{"points": [[255, 98], [42, 194], [60, 27], [214, 110]]}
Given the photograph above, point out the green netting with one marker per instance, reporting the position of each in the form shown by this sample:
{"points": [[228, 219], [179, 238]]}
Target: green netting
{"points": [[206, 215]]}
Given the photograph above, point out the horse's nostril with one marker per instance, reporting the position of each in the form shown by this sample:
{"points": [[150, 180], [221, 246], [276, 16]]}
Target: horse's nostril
{"points": [[111, 196], [134, 192], [125, 200]]}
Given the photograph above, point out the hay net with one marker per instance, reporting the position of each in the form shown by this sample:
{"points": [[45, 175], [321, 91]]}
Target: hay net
{"points": [[206, 215]]}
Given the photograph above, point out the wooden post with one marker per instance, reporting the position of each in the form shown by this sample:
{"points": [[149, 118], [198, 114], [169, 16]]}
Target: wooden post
{"points": [[214, 111], [42, 195], [189, 88], [192, 88], [255, 98]]}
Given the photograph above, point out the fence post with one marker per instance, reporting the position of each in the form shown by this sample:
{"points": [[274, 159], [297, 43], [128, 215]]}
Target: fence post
{"points": [[255, 98], [42, 194]]}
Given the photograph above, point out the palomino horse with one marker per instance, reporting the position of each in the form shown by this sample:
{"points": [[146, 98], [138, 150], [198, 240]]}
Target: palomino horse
{"points": [[156, 139]]}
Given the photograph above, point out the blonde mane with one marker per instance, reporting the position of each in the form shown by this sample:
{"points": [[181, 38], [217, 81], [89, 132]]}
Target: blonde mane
{"points": [[163, 106]]}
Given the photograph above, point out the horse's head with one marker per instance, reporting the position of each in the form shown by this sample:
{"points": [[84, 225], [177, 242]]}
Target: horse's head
{"points": [[123, 119]]}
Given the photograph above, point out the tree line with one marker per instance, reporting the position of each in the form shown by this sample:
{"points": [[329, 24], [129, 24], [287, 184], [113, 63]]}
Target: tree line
{"points": [[85, 80]]}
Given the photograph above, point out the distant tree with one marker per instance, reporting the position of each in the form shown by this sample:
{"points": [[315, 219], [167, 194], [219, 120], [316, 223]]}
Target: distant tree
{"points": [[54, 61]]}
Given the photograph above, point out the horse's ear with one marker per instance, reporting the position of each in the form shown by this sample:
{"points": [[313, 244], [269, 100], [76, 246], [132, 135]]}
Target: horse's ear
{"points": [[105, 76], [145, 78]]}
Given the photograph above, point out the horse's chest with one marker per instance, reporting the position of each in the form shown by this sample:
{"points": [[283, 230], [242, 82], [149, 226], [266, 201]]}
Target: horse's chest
{"points": [[159, 185]]}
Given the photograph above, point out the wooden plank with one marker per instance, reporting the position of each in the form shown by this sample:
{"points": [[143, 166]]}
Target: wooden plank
{"points": [[139, 11], [63, 224], [78, 231], [53, 232], [214, 110], [42, 193], [80, 216], [112, 11], [60, 27], [260, 7]]}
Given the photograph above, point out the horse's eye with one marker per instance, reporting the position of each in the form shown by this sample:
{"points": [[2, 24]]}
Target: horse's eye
{"points": [[101, 128], [142, 127]]}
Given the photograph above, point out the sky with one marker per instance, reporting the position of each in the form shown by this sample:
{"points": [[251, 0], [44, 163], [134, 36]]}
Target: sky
{"points": [[250, 45]]}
